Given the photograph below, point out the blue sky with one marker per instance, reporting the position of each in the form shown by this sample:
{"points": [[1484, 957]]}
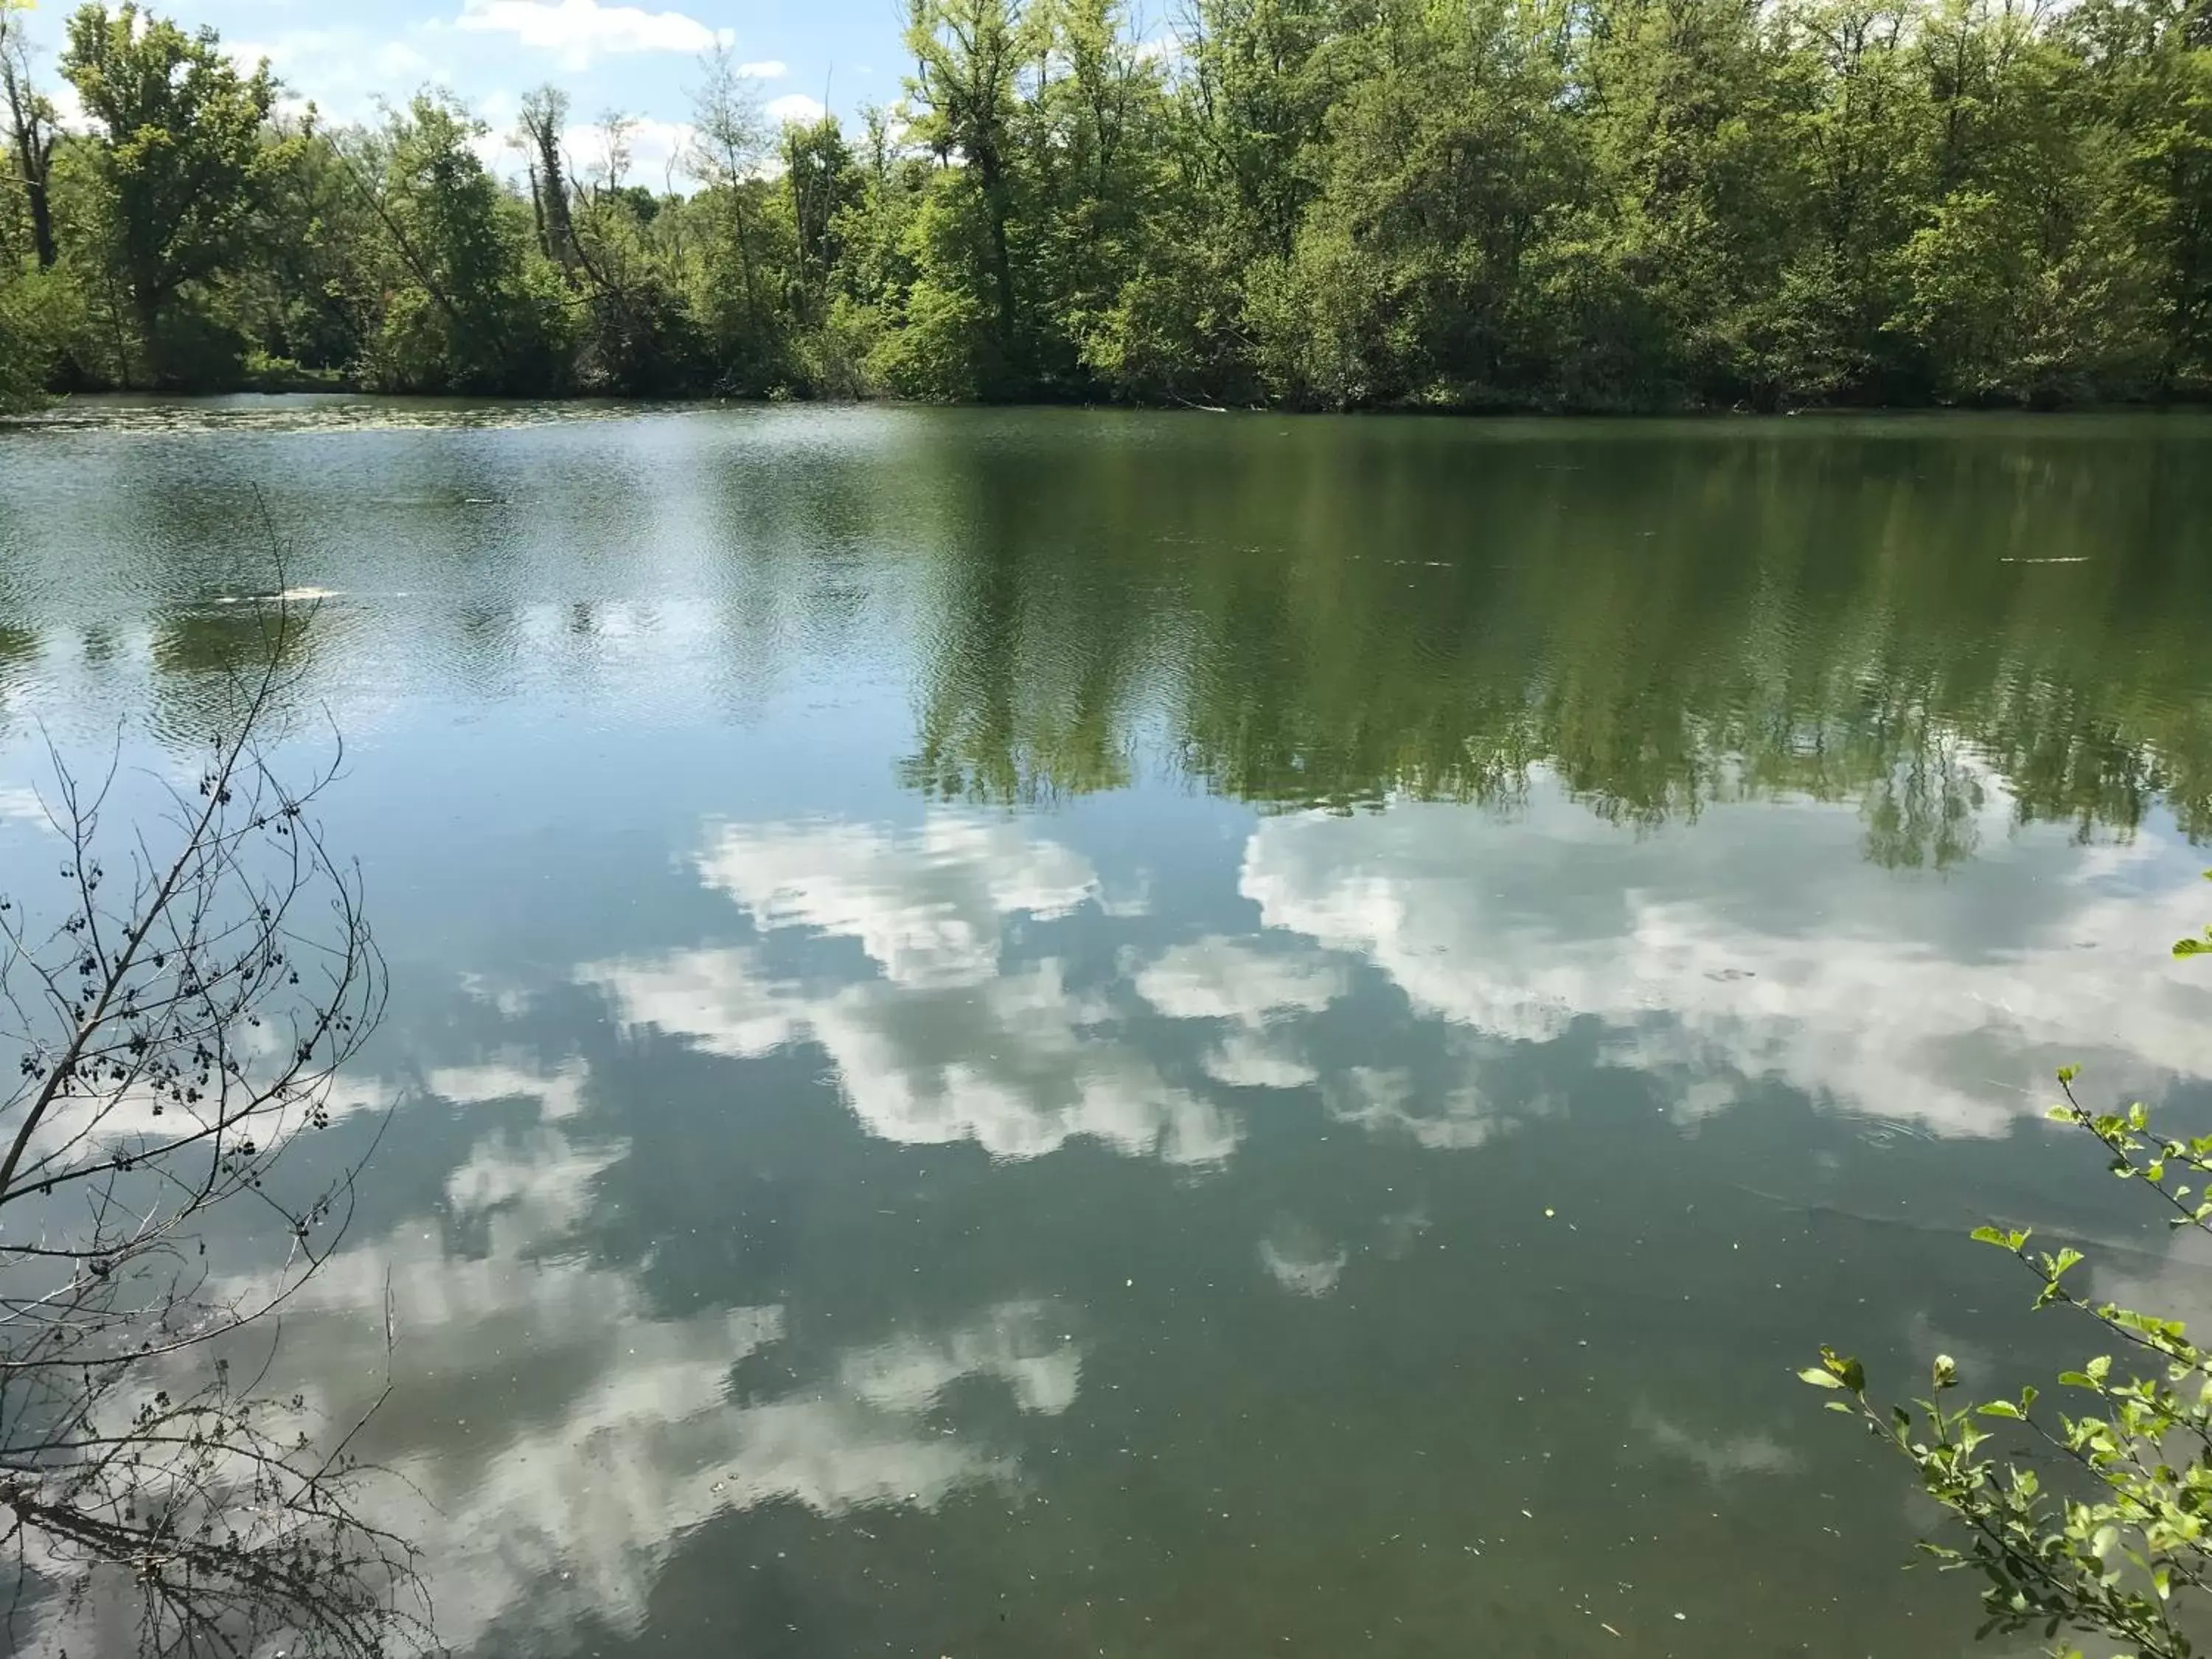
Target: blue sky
{"points": [[638, 59]]}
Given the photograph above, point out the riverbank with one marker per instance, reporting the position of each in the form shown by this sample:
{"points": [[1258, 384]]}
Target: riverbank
{"points": [[287, 380]]}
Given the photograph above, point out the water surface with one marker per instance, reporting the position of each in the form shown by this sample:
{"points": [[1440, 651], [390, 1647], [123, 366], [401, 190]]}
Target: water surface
{"points": [[1076, 1033]]}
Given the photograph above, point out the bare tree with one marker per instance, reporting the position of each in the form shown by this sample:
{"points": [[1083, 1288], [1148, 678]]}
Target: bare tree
{"points": [[730, 144], [181, 1005], [612, 171]]}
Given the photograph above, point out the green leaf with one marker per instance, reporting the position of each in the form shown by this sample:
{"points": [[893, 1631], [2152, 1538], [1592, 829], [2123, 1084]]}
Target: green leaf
{"points": [[1819, 1378], [2192, 947], [1999, 1408], [2068, 1074]]}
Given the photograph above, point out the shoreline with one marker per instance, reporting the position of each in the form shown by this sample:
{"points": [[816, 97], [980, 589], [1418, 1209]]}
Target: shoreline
{"points": [[60, 403]]}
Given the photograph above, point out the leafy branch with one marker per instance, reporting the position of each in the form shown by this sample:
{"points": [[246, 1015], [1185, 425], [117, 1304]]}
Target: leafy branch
{"points": [[2111, 1540]]}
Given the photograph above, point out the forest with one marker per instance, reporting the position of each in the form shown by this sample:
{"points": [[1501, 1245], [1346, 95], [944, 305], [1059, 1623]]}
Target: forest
{"points": [[1326, 204]]}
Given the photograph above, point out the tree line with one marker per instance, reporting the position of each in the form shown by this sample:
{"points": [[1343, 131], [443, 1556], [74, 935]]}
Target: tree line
{"points": [[1586, 204]]}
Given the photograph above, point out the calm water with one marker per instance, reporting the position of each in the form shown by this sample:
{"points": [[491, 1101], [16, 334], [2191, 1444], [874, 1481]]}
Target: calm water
{"points": [[1030, 1034]]}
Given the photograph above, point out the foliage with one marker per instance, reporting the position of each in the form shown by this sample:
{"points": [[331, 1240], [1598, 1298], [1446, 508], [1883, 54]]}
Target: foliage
{"points": [[2112, 1536], [38, 314], [476, 317], [1591, 204], [181, 160]]}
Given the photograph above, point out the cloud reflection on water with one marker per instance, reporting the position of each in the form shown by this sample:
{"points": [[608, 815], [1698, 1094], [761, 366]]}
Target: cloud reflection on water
{"points": [[552, 1434], [1737, 954], [568, 1432]]}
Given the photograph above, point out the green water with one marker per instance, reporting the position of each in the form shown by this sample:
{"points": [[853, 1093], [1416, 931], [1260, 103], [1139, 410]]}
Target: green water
{"points": [[1065, 1033]]}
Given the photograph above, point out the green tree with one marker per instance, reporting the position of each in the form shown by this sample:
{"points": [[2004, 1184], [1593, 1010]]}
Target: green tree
{"points": [[2148, 90], [637, 335], [306, 294], [182, 164], [2025, 283], [38, 314], [1852, 105], [465, 311], [1101, 108], [821, 186], [1587, 204], [964, 333], [732, 143], [1406, 276]]}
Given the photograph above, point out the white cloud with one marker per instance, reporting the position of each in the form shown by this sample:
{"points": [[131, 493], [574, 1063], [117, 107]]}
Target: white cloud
{"points": [[1019, 1064], [717, 999], [245, 56], [68, 108], [796, 106], [19, 805], [92, 1124], [396, 62], [1384, 1103], [946, 1044], [341, 70], [1018, 1345], [1014, 1066], [560, 1090], [1221, 978], [574, 1433], [1719, 1457], [1226, 979], [492, 150], [1302, 1264], [928, 907], [768, 69], [1250, 1058], [1762, 945], [580, 31]]}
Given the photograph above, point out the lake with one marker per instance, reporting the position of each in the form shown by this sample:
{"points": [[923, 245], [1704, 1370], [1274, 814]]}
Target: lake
{"points": [[1034, 1033]]}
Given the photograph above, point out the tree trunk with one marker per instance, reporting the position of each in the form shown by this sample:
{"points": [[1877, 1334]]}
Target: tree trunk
{"points": [[146, 306], [553, 197], [42, 222], [538, 211], [33, 135], [1002, 264], [745, 255]]}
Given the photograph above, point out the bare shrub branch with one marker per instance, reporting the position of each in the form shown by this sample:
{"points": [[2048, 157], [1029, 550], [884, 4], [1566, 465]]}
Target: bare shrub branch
{"points": [[181, 1006]]}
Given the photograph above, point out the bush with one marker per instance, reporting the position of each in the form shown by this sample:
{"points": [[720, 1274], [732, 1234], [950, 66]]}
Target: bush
{"points": [[39, 310]]}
